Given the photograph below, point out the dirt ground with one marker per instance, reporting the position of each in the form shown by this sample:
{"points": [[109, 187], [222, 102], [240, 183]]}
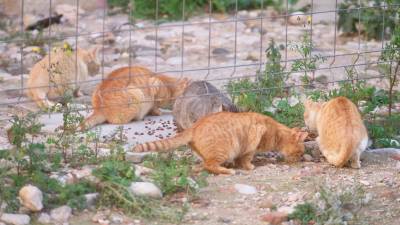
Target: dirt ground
{"points": [[282, 186]]}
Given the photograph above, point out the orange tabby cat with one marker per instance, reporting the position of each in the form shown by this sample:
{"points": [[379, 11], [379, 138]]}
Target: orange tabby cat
{"points": [[234, 137], [342, 134], [50, 80], [130, 93]]}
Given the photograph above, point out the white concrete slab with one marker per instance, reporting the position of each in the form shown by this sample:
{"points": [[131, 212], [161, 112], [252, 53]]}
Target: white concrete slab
{"points": [[150, 129]]}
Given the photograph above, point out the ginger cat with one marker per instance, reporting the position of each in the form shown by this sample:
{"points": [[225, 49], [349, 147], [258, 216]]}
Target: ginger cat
{"points": [[234, 137], [63, 73], [199, 99], [342, 134], [131, 93]]}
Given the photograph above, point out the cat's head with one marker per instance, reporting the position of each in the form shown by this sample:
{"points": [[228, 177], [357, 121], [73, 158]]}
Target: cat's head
{"points": [[311, 110], [179, 86], [292, 144], [91, 59]]}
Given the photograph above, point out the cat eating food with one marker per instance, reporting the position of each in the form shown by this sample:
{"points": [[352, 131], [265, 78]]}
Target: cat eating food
{"points": [[342, 136], [199, 99], [131, 93], [234, 137]]}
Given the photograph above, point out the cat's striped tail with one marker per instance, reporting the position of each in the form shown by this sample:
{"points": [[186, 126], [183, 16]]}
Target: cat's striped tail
{"points": [[167, 144]]}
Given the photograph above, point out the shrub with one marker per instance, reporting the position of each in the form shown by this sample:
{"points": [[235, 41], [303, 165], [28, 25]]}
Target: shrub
{"points": [[370, 18]]}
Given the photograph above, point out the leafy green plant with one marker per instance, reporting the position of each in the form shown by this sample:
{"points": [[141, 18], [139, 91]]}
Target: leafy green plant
{"points": [[258, 95], [27, 153], [332, 207], [308, 62], [391, 57], [369, 19], [172, 9], [115, 171], [291, 116], [304, 213], [173, 174]]}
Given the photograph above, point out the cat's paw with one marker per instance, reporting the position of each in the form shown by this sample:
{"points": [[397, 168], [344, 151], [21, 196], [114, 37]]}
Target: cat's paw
{"points": [[355, 164], [248, 166]]}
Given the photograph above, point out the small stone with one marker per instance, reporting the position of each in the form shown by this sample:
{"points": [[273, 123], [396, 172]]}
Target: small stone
{"points": [[91, 199], [82, 173], [220, 51], [145, 189], [136, 157], [31, 197], [266, 204], [366, 183], [44, 218], [15, 219], [115, 218], [141, 170], [275, 218], [61, 214], [224, 220], [103, 222], [245, 189], [286, 209], [307, 157], [98, 216]]}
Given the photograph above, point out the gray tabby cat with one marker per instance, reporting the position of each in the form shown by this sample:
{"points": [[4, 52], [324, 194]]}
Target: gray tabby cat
{"points": [[199, 99]]}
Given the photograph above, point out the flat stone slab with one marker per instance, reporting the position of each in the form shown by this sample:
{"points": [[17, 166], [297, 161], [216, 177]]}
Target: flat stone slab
{"points": [[150, 129]]}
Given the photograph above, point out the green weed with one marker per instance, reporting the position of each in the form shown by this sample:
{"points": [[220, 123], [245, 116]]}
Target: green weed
{"points": [[308, 62], [332, 207], [368, 19], [172, 9], [173, 174]]}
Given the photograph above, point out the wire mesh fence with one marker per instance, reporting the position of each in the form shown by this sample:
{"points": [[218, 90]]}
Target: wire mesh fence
{"points": [[212, 46]]}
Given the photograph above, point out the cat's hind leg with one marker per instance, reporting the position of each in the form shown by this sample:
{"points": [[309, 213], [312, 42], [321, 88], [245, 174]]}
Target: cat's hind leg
{"points": [[41, 99], [355, 160], [244, 161], [213, 165]]}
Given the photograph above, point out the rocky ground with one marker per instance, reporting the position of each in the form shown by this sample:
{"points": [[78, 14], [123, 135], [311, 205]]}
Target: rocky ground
{"points": [[199, 50], [248, 197]]}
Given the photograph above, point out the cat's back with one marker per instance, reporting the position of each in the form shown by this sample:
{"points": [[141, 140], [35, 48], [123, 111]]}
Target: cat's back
{"points": [[228, 120], [341, 116], [125, 76], [199, 99]]}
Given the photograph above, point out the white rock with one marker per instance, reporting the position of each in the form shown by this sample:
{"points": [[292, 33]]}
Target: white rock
{"points": [[307, 157], [44, 218], [245, 189], [297, 18], [116, 219], [31, 197], [82, 173], [136, 157], [286, 209], [15, 219], [145, 189], [61, 214], [141, 170], [91, 199]]}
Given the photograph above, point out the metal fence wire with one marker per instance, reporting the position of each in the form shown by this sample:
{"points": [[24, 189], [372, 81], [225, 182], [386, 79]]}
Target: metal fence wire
{"points": [[212, 46]]}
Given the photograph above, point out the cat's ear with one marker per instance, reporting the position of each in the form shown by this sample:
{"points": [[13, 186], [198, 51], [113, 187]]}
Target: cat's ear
{"points": [[301, 136]]}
